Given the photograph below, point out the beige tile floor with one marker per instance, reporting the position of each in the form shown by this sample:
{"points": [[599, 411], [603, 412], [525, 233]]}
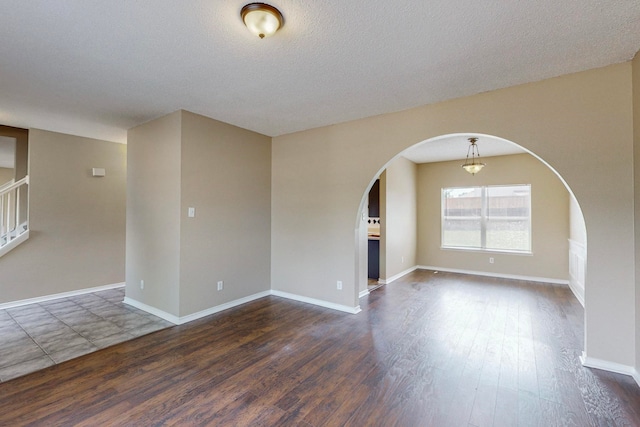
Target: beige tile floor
{"points": [[36, 336]]}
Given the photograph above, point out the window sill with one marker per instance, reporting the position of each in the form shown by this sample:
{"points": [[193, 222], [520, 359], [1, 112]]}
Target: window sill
{"points": [[486, 251]]}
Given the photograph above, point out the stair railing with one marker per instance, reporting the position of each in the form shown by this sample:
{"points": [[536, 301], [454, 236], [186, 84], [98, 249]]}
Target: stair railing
{"points": [[7, 185], [13, 211]]}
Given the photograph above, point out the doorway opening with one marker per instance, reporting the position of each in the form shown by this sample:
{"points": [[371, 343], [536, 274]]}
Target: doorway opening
{"points": [[373, 237], [411, 215]]}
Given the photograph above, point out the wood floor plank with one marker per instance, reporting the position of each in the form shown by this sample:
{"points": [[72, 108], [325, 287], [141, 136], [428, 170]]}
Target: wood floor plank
{"points": [[427, 350], [484, 405], [506, 409], [529, 413]]}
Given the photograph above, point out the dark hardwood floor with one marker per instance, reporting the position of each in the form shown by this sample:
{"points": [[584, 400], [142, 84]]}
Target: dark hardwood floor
{"points": [[427, 350]]}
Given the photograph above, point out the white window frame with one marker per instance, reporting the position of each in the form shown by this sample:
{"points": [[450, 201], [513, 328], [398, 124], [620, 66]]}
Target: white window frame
{"points": [[483, 221]]}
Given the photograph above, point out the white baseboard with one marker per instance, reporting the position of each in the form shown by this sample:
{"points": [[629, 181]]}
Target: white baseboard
{"points": [[499, 275], [604, 365], [152, 310], [195, 316], [321, 303], [46, 298], [636, 376], [191, 317], [222, 307], [577, 292], [397, 276], [363, 293]]}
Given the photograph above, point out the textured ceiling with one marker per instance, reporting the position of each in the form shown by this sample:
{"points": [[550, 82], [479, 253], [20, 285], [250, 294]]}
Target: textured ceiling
{"points": [[455, 147], [96, 68]]}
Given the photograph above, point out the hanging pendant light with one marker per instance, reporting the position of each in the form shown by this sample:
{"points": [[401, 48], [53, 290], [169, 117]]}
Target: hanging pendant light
{"points": [[262, 19], [473, 167]]}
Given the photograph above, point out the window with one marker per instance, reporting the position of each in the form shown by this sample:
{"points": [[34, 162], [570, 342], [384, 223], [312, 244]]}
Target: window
{"points": [[495, 218]]}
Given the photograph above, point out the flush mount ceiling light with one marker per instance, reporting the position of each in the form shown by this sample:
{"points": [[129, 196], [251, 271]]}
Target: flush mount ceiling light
{"points": [[262, 19], [473, 167]]}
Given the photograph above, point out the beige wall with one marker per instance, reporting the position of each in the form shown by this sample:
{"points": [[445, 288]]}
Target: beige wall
{"points": [[185, 160], [398, 242], [549, 218], [226, 176], [636, 150], [6, 175], [362, 266], [577, 227], [77, 221], [577, 249], [22, 153], [153, 213], [581, 124]]}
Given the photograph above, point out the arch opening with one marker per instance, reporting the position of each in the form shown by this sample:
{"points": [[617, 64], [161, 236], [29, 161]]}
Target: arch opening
{"points": [[446, 150]]}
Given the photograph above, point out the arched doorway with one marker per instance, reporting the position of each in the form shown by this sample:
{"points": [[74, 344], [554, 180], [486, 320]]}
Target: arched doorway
{"points": [[557, 229]]}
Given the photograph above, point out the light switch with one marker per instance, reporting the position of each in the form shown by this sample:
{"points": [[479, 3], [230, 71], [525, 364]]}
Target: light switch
{"points": [[98, 172], [192, 212]]}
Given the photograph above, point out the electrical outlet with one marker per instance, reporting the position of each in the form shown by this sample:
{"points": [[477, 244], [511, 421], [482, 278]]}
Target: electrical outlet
{"points": [[490, 260], [339, 285], [220, 285], [141, 284]]}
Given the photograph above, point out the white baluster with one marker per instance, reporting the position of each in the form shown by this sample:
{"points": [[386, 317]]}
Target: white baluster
{"points": [[17, 219], [10, 212], [8, 219]]}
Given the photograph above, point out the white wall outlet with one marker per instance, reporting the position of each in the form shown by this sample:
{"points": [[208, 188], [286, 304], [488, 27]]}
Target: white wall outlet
{"points": [[141, 284], [339, 285], [220, 285], [491, 260], [192, 212]]}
